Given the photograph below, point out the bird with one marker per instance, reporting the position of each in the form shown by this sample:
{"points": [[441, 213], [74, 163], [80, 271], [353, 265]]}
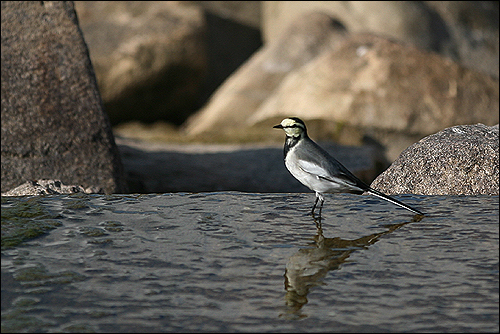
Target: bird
{"points": [[319, 171]]}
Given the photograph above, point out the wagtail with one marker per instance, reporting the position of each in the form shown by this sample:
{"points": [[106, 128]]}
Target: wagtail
{"points": [[319, 171]]}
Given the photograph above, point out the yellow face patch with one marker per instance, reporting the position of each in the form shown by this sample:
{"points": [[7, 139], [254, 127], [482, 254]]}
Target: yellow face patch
{"points": [[288, 122], [292, 127]]}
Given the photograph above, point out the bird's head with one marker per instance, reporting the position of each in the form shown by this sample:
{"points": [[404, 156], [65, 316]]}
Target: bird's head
{"points": [[293, 127]]}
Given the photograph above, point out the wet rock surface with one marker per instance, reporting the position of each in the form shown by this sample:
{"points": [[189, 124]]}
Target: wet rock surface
{"points": [[52, 187]]}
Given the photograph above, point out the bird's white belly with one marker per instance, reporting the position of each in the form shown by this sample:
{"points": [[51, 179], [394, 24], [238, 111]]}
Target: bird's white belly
{"points": [[311, 181]]}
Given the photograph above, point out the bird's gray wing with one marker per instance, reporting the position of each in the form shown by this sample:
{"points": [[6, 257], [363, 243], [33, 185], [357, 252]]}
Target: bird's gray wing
{"points": [[324, 166]]}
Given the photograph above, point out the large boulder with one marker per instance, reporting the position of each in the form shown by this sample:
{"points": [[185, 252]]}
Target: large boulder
{"points": [[460, 160], [251, 85], [392, 92], [356, 87], [53, 123]]}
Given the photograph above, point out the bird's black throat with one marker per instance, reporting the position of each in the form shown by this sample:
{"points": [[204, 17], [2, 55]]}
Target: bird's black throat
{"points": [[290, 142]]}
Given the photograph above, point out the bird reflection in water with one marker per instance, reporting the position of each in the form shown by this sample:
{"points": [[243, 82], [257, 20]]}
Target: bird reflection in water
{"points": [[307, 268]]}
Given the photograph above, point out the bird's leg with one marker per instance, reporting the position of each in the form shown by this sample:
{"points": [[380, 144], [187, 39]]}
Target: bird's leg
{"points": [[321, 199]]}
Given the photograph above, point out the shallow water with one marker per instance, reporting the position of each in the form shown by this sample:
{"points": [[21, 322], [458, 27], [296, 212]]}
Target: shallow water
{"points": [[248, 262]]}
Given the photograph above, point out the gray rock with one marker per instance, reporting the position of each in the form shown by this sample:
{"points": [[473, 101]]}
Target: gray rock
{"points": [[49, 187], [53, 123], [461, 160]]}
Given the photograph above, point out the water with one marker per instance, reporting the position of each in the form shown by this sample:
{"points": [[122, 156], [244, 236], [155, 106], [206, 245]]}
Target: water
{"points": [[248, 263]]}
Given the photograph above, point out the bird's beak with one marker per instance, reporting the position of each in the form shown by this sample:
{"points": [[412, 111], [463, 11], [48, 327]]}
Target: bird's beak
{"points": [[279, 126]]}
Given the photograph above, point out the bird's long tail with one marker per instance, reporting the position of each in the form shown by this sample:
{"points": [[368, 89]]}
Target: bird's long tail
{"points": [[392, 200]]}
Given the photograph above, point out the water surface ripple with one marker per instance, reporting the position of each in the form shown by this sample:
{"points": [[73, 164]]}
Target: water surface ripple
{"points": [[245, 262]]}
